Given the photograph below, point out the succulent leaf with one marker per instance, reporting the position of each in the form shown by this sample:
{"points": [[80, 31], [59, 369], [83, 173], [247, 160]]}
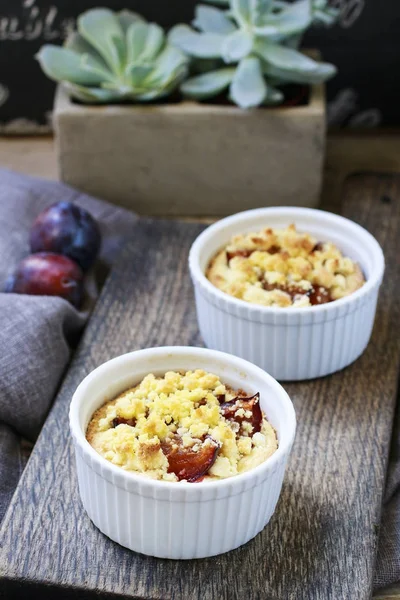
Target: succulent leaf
{"points": [[144, 42], [212, 20], [284, 58], [295, 18], [65, 64], [102, 29], [241, 10], [323, 13], [248, 87], [164, 85], [154, 43], [280, 5], [300, 10], [219, 2], [236, 46], [324, 72], [289, 65], [259, 10], [208, 84], [202, 45], [170, 62], [129, 60], [78, 44], [137, 74], [93, 95], [127, 17]]}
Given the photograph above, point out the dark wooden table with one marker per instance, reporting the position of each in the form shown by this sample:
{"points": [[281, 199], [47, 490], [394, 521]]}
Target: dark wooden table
{"points": [[321, 542]]}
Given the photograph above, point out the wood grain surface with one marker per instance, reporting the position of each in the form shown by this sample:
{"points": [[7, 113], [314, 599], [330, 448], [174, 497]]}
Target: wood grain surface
{"points": [[321, 542]]}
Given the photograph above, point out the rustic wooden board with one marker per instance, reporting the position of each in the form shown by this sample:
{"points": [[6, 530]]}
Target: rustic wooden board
{"points": [[321, 542]]}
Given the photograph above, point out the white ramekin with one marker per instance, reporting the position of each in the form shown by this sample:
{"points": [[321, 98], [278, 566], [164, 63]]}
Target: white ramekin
{"points": [[179, 520], [290, 343]]}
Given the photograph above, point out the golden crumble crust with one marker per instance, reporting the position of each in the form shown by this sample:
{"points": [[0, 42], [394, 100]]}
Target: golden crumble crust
{"points": [[183, 426], [283, 267]]}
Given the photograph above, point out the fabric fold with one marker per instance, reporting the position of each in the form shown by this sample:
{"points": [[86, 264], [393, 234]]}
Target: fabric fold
{"points": [[39, 333]]}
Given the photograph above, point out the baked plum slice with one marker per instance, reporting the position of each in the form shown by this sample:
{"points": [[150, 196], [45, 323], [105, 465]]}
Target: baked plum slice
{"points": [[68, 229], [317, 294], [245, 253], [122, 421], [48, 274], [230, 410], [242, 253], [187, 463]]}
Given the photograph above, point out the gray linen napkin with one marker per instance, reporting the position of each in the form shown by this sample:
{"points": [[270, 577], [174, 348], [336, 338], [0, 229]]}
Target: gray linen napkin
{"points": [[37, 333]]}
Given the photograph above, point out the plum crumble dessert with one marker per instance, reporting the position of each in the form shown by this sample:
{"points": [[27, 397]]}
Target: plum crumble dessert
{"points": [[283, 267], [183, 426]]}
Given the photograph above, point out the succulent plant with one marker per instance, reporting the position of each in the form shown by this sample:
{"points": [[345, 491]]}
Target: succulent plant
{"points": [[251, 46], [115, 57]]}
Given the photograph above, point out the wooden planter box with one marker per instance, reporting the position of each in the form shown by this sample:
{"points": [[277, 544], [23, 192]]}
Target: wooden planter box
{"points": [[190, 158]]}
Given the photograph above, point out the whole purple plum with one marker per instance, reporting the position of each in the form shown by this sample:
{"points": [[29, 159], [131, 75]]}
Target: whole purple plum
{"points": [[48, 274], [68, 229]]}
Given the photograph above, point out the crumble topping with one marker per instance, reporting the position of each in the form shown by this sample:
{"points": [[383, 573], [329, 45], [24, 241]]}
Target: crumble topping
{"points": [[283, 267], [183, 426]]}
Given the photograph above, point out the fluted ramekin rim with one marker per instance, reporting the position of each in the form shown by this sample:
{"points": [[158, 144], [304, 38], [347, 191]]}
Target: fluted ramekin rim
{"points": [[237, 481], [199, 277]]}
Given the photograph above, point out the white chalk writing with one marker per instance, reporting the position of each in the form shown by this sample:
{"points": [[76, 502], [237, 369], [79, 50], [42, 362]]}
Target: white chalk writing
{"points": [[371, 117], [48, 24], [350, 11], [344, 110], [34, 23], [23, 126], [4, 93]]}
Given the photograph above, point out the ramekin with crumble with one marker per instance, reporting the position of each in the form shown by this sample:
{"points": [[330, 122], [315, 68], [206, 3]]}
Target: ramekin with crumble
{"points": [[283, 268], [183, 426]]}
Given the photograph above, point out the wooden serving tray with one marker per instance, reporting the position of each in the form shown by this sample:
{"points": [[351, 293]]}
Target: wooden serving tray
{"points": [[321, 542]]}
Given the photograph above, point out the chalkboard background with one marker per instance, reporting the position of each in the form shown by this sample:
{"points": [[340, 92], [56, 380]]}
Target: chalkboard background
{"points": [[365, 46]]}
